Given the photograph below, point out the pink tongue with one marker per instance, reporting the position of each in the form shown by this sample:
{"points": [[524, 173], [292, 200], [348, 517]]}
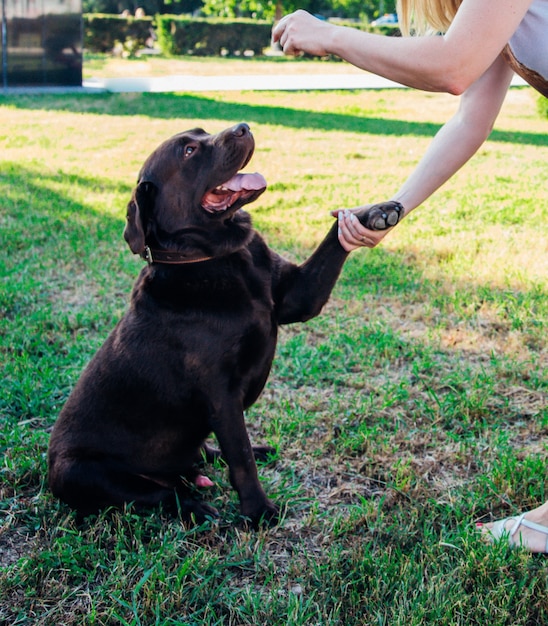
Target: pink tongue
{"points": [[246, 182], [221, 199]]}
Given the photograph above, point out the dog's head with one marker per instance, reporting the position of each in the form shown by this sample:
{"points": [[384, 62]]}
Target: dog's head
{"points": [[189, 191]]}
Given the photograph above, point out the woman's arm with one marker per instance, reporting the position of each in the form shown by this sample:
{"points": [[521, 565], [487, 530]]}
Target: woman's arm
{"points": [[449, 62], [454, 144]]}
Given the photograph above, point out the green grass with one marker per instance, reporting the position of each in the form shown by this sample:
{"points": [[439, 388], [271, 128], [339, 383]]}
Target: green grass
{"points": [[414, 406]]}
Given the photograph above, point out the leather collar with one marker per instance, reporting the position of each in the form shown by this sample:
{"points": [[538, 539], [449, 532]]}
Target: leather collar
{"points": [[169, 258]]}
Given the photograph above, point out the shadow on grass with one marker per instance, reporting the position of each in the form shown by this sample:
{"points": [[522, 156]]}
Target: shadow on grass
{"points": [[53, 234], [39, 218], [172, 106]]}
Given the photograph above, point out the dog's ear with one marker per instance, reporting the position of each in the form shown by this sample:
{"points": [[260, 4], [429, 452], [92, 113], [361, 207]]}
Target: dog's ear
{"points": [[138, 211]]}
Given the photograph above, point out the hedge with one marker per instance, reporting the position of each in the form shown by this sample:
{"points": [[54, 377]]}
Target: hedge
{"points": [[102, 33], [183, 35], [211, 37]]}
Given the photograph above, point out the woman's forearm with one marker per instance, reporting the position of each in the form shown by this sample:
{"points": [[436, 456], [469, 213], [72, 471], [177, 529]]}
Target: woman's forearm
{"points": [[449, 62], [415, 62], [460, 138], [454, 144]]}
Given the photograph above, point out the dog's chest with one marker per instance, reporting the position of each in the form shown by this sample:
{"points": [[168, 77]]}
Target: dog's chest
{"points": [[223, 320]]}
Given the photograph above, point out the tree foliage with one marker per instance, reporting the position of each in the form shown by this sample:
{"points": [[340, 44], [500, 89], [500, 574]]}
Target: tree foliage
{"points": [[260, 9], [271, 9], [151, 7]]}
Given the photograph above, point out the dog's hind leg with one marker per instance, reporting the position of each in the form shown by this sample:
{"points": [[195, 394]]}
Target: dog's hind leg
{"points": [[90, 486]]}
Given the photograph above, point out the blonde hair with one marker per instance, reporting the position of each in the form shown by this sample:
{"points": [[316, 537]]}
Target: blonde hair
{"points": [[420, 17]]}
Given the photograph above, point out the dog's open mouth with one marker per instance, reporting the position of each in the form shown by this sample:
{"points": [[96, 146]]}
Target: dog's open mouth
{"points": [[240, 186]]}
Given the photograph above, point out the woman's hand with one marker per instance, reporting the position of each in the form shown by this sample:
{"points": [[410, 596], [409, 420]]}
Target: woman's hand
{"points": [[301, 32], [367, 225]]}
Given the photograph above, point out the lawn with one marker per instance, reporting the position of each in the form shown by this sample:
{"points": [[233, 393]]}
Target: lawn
{"points": [[414, 406]]}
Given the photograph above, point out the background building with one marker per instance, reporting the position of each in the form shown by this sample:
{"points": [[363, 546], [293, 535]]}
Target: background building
{"points": [[41, 42]]}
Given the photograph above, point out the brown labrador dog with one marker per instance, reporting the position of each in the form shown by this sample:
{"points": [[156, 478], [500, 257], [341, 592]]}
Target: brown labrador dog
{"points": [[195, 348]]}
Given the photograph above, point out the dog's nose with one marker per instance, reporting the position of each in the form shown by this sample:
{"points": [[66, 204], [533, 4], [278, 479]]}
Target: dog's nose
{"points": [[241, 129]]}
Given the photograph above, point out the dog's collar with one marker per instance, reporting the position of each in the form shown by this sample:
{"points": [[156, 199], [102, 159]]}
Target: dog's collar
{"points": [[169, 258]]}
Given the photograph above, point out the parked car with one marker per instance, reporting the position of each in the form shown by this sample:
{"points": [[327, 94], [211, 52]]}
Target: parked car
{"points": [[387, 18]]}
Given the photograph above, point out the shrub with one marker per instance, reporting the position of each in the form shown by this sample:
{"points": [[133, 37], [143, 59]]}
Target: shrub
{"points": [[102, 33], [211, 37]]}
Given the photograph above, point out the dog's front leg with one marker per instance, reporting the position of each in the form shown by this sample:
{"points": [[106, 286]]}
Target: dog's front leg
{"points": [[301, 291], [236, 449]]}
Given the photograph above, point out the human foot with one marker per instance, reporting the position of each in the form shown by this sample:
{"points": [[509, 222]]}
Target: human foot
{"points": [[519, 531]]}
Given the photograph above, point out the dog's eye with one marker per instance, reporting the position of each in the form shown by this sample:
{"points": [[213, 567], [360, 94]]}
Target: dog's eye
{"points": [[189, 149]]}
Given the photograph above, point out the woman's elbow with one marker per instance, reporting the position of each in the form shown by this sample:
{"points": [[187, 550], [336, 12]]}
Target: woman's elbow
{"points": [[455, 89], [443, 84], [455, 85], [454, 80]]}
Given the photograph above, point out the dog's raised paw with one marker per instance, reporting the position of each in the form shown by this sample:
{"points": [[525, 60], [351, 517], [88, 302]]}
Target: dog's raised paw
{"points": [[381, 216]]}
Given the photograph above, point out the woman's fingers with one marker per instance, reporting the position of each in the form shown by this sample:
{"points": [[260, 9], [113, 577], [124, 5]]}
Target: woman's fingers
{"points": [[353, 235]]}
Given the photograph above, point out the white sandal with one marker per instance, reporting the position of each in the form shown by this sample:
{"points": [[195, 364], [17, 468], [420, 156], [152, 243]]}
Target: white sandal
{"points": [[498, 531]]}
